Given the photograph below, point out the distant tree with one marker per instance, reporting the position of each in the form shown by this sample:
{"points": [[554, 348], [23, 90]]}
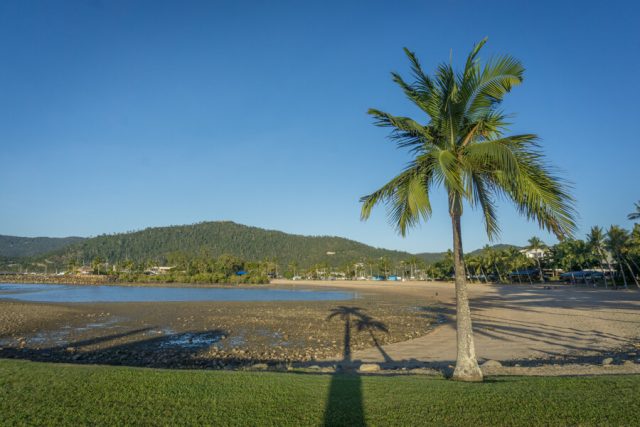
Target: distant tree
{"points": [[537, 246], [72, 265], [596, 244], [96, 264], [617, 242]]}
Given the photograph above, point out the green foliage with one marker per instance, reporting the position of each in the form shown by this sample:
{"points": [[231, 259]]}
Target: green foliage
{"points": [[462, 147], [18, 247], [166, 245]]}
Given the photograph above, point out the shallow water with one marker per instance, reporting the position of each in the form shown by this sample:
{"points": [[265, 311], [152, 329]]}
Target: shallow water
{"points": [[67, 293]]}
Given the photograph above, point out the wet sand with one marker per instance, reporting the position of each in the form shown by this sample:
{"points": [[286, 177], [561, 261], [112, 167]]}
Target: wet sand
{"points": [[207, 334]]}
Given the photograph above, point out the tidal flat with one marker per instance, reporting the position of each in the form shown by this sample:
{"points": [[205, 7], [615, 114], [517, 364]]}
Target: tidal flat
{"points": [[211, 334]]}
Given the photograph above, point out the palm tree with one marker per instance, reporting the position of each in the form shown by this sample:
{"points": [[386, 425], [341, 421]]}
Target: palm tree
{"points": [[617, 243], [635, 215], [537, 246], [492, 259], [462, 147], [595, 241]]}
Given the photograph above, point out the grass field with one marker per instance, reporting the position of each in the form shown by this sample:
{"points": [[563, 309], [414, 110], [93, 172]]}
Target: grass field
{"points": [[55, 394]]}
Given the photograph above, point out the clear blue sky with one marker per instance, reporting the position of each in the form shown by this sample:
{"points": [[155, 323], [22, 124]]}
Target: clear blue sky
{"points": [[118, 115]]}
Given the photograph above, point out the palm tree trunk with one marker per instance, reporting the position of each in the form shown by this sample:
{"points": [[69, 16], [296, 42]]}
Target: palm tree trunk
{"points": [[604, 274], [540, 270], [624, 277], [613, 279], [497, 271], [467, 368], [635, 279], [483, 274]]}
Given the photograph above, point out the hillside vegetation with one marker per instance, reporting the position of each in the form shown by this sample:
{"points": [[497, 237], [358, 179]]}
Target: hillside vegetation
{"points": [[217, 238], [20, 247], [193, 246]]}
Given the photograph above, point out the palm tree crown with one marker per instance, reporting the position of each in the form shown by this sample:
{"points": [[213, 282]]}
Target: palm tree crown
{"points": [[462, 146], [536, 243]]}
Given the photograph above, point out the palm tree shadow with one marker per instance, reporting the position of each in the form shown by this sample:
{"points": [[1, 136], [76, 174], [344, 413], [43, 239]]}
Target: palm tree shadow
{"points": [[344, 403], [369, 324]]}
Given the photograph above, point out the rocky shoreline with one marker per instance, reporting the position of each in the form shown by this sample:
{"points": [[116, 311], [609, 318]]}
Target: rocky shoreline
{"points": [[307, 336], [205, 334]]}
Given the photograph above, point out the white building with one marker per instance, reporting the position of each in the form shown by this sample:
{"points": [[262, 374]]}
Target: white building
{"points": [[534, 253]]}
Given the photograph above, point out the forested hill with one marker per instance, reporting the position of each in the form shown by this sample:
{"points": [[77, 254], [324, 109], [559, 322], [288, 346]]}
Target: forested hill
{"points": [[217, 238], [432, 257], [20, 247]]}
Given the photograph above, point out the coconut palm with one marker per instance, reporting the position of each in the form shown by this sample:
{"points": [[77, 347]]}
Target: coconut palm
{"points": [[491, 257], [595, 242], [462, 147], [537, 246], [617, 243], [635, 215]]}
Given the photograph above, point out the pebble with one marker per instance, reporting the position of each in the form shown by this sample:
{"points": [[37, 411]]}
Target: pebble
{"points": [[492, 364], [369, 367], [259, 366]]}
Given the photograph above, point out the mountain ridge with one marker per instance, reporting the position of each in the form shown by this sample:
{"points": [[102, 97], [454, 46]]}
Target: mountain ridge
{"points": [[214, 238]]}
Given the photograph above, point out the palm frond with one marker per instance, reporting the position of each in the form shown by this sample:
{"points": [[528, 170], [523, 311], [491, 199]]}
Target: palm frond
{"points": [[635, 215], [406, 195], [539, 194], [406, 131], [482, 192], [462, 147], [423, 83], [482, 90]]}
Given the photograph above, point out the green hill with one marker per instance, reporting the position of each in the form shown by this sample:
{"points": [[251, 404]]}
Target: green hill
{"points": [[217, 238], [21, 247], [207, 238], [431, 257]]}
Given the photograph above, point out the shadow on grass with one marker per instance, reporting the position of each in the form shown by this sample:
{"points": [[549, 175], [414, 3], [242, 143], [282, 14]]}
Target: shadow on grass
{"points": [[344, 402]]}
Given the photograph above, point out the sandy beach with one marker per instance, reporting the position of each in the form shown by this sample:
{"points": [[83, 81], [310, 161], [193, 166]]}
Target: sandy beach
{"points": [[531, 330]]}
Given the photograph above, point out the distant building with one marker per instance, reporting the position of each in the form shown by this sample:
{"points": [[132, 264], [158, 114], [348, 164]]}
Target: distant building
{"points": [[156, 270], [534, 253], [84, 270]]}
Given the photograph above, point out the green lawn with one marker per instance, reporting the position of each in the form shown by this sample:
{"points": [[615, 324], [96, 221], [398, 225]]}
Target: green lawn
{"points": [[56, 394]]}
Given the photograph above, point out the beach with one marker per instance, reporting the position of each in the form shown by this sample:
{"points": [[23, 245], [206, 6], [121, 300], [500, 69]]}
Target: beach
{"points": [[531, 330]]}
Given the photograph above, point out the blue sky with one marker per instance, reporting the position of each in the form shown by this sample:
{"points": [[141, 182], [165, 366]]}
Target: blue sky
{"points": [[116, 116]]}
